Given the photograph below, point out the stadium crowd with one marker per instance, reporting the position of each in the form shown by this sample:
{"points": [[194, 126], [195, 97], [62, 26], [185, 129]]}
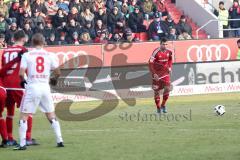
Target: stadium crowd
{"points": [[91, 21], [88, 21]]}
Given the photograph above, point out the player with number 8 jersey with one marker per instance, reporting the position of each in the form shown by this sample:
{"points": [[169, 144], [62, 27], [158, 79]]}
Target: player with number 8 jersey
{"points": [[38, 63]]}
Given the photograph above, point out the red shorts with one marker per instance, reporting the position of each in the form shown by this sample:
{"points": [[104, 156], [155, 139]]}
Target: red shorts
{"points": [[3, 96], [14, 97], [160, 84]]}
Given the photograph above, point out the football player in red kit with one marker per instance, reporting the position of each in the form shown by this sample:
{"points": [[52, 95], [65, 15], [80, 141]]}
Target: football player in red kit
{"points": [[12, 80], [160, 65], [3, 96], [3, 129]]}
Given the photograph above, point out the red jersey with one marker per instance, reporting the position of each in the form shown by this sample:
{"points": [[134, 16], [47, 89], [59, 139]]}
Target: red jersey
{"points": [[160, 62], [12, 79]]}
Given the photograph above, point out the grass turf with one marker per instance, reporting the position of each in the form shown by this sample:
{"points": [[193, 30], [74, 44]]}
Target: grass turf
{"points": [[195, 132]]}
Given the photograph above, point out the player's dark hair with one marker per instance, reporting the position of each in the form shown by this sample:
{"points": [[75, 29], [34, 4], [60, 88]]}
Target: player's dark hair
{"points": [[163, 40], [221, 3], [238, 41], [18, 35], [38, 39]]}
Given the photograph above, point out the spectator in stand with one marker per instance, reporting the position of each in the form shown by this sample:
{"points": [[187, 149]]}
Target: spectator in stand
{"points": [[3, 24], [148, 8], [118, 4], [184, 35], [87, 16], [64, 6], [62, 39], [132, 6], [90, 29], [74, 15], [75, 39], [85, 38], [51, 7], [109, 6], [99, 4], [121, 25], [48, 30], [101, 15], [4, 9], [223, 16], [116, 37], [114, 18], [24, 18], [89, 4], [14, 11], [52, 40], [170, 23], [157, 29], [128, 37], [125, 9], [40, 7], [183, 26], [21, 12], [77, 4], [161, 7], [10, 33], [28, 30], [135, 21], [39, 28], [234, 13], [59, 18], [3, 43], [100, 27], [73, 27], [102, 38], [37, 18], [62, 29], [172, 34], [26, 7]]}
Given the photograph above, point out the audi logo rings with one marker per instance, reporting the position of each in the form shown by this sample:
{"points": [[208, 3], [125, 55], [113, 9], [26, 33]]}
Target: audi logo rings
{"points": [[212, 52]]}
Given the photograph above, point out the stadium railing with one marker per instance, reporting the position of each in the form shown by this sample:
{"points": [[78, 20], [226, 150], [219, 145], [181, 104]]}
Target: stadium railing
{"points": [[219, 28]]}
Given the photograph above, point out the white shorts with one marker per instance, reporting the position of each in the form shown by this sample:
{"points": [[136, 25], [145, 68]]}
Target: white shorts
{"points": [[37, 95]]}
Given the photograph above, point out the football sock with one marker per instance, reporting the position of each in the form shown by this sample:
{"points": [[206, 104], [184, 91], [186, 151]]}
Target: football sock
{"points": [[165, 98], [29, 128], [57, 130], [3, 129], [9, 124], [22, 132], [157, 101]]}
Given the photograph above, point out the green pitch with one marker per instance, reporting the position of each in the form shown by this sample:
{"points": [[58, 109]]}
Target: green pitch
{"points": [[195, 133]]}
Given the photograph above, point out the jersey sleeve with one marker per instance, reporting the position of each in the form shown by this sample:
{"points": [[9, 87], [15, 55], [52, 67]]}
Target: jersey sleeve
{"points": [[24, 50], [54, 61], [152, 61], [23, 64]]}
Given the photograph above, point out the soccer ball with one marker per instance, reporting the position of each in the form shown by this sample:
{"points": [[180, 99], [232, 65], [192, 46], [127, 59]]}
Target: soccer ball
{"points": [[219, 110]]}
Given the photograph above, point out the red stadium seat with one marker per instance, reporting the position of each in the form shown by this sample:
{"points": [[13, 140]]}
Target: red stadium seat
{"points": [[143, 36]]}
